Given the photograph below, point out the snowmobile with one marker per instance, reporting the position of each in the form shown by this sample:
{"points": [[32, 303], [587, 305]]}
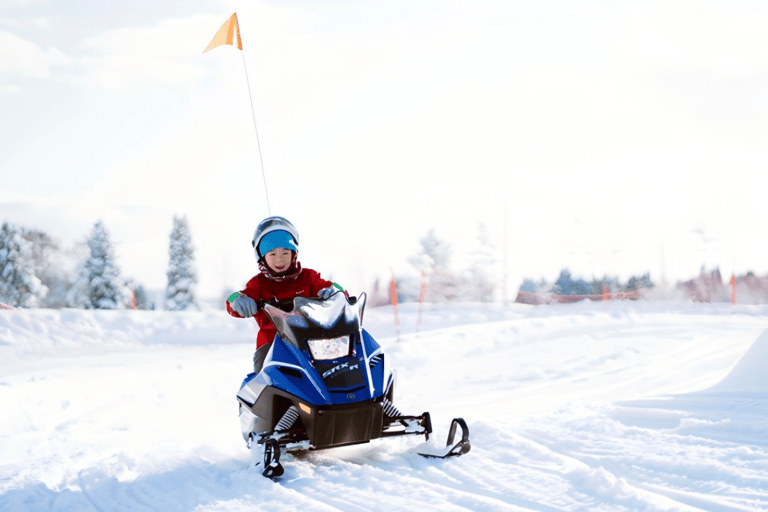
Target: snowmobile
{"points": [[325, 383]]}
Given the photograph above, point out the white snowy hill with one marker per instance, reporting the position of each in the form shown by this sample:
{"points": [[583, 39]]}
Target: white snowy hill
{"points": [[624, 406]]}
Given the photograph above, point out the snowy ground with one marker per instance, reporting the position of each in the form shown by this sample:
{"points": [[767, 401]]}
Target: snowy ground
{"points": [[590, 406]]}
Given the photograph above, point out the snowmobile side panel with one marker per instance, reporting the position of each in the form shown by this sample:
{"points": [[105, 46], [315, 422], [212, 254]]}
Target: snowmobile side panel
{"points": [[251, 389], [272, 404], [378, 369]]}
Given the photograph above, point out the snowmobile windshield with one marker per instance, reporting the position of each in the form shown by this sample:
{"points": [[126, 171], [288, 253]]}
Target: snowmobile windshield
{"points": [[328, 329]]}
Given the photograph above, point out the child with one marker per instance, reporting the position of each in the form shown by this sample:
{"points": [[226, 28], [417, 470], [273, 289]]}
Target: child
{"points": [[276, 245]]}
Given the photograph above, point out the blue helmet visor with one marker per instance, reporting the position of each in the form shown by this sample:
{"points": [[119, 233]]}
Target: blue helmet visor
{"points": [[275, 240]]}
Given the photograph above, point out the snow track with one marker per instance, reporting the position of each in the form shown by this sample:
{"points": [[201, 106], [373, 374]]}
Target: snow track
{"points": [[570, 408]]}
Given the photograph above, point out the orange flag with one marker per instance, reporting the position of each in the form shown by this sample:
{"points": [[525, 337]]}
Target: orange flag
{"points": [[229, 33]]}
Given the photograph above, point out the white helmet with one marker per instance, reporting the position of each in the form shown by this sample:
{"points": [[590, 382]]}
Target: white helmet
{"points": [[269, 225]]}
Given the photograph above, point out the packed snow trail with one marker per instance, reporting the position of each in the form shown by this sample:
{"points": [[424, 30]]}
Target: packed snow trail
{"points": [[620, 406]]}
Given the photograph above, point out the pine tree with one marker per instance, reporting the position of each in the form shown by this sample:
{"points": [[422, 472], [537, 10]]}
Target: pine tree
{"points": [[435, 253], [638, 283], [180, 293], [98, 285], [142, 298], [53, 265], [566, 285], [19, 286]]}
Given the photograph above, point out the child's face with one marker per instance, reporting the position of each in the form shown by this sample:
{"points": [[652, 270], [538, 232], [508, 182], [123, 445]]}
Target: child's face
{"points": [[278, 260]]}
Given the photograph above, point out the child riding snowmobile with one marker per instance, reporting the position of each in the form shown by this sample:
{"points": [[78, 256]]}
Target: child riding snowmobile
{"points": [[319, 379]]}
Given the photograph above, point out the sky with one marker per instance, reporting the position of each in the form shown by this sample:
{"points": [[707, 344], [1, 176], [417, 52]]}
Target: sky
{"points": [[612, 138]]}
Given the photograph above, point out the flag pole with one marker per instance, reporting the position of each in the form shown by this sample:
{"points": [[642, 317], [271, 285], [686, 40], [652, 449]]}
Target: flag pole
{"points": [[229, 34], [256, 129]]}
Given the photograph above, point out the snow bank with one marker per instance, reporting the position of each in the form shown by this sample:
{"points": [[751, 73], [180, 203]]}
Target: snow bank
{"points": [[750, 375]]}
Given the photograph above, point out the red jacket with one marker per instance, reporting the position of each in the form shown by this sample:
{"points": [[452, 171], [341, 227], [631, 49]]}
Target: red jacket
{"points": [[261, 288]]}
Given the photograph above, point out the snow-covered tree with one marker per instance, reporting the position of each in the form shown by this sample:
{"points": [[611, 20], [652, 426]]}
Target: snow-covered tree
{"points": [[19, 286], [434, 253], [434, 257], [98, 285], [482, 272], [180, 292], [139, 298], [77, 294], [55, 266], [142, 298], [407, 286]]}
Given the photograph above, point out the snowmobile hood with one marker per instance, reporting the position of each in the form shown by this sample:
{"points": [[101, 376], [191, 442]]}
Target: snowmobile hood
{"points": [[317, 318]]}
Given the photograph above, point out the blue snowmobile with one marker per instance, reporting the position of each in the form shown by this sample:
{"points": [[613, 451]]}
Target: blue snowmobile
{"points": [[325, 383]]}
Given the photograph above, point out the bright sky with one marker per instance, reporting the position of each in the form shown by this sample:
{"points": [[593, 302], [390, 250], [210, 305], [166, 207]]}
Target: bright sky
{"points": [[609, 137]]}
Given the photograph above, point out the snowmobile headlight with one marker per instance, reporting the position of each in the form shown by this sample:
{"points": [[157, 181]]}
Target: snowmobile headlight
{"points": [[330, 348]]}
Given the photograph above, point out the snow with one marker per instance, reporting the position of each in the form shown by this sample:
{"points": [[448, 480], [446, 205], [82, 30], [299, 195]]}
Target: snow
{"points": [[590, 406]]}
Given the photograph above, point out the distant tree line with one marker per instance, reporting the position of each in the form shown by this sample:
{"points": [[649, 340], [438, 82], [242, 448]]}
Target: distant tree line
{"points": [[35, 271], [566, 284], [433, 274]]}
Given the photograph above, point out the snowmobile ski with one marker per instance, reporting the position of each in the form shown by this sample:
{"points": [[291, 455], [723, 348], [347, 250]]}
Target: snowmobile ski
{"points": [[453, 449], [272, 466]]}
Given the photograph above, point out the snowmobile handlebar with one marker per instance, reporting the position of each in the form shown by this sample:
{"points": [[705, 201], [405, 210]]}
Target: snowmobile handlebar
{"points": [[287, 305]]}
